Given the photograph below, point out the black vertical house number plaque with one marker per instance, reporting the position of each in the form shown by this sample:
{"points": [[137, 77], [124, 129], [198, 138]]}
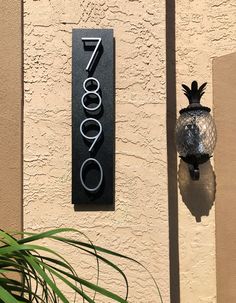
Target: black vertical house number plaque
{"points": [[93, 117]]}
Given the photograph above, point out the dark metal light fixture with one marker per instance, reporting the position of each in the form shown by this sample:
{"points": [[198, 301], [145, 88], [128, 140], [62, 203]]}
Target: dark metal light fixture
{"points": [[195, 130]]}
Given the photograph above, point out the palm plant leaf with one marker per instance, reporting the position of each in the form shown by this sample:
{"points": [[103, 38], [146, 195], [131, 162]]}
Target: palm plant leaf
{"points": [[41, 268]]}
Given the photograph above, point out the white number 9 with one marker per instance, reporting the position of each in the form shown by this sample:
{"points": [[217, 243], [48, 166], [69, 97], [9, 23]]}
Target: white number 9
{"points": [[94, 138]]}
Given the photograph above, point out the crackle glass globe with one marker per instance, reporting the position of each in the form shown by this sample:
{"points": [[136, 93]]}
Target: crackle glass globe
{"points": [[195, 133]]}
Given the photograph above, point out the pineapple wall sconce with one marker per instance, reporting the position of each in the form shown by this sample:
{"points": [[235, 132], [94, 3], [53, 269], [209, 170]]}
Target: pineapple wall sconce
{"points": [[195, 130]]}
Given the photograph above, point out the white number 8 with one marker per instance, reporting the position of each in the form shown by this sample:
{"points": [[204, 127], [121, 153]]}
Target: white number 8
{"points": [[91, 92]]}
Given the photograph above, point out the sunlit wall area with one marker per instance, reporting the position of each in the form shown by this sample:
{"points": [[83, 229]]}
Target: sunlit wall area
{"points": [[204, 30], [139, 225]]}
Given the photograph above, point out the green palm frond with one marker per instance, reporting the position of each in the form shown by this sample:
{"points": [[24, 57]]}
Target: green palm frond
{"points": [[29, 271]]}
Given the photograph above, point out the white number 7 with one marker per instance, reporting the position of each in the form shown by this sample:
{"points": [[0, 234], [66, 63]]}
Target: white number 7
{"points": [[99, 41]]}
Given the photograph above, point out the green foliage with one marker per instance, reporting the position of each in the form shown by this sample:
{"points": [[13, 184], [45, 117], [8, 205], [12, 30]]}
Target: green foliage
{"points": [[39, 267]]}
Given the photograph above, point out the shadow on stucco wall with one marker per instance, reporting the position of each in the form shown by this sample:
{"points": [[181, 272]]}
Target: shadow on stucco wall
{"points": [[171, 152], [198, 196]]}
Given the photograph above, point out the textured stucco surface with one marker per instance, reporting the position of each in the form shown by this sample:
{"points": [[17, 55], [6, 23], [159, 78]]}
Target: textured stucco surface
{"points": [[205, 29], [11, 115], [139, 225]]}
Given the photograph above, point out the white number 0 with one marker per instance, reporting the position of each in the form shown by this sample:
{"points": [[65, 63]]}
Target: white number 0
{"points": [[91, 189]]}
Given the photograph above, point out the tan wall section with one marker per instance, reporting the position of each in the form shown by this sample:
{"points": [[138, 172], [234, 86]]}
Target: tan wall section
{"points": [[204, 29], [10, 114], [225, 164], [139, 225]]}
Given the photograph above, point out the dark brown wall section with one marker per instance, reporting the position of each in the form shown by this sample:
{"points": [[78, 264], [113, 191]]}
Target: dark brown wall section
{"points": [[224, 84], [11, 114]]}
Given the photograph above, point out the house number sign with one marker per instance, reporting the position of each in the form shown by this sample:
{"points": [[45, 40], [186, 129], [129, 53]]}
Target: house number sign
{"points": [[93, 116]]}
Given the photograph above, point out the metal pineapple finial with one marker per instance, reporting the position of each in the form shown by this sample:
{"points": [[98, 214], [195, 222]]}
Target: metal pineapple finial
{"points": [[194, 94]]}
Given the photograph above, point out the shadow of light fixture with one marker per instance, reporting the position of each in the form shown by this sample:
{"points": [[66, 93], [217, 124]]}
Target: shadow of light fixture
{"points": [[197, 196], [195, 130]]}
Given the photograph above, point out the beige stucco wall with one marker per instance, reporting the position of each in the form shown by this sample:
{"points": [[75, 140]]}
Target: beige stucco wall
{"points": [[139, 226], [11, 115], [205, 29]]}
